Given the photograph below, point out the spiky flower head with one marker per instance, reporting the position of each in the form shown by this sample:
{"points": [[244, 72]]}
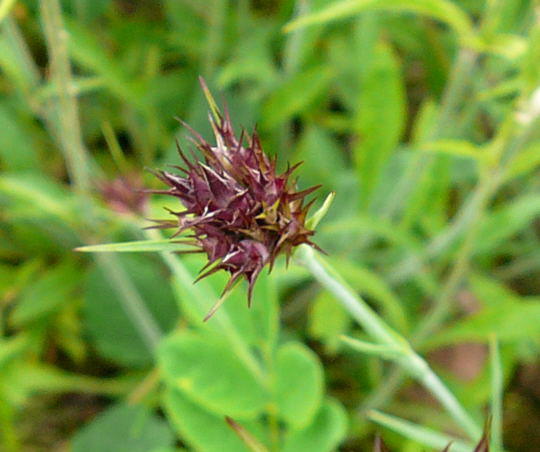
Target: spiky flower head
{"points": [[241, 212]]}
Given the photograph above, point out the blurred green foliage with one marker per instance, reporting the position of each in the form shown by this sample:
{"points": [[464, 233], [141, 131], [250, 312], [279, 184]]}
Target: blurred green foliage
{"points": [[421, 115]]}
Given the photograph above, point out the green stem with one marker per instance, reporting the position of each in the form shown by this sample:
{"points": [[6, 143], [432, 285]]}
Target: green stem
{"points": [[468, 217], [78, 165], [68, 114], [383, 334], [130, 299]]}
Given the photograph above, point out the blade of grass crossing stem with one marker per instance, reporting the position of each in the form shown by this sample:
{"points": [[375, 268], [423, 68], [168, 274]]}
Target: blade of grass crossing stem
{"points": [[418, 433], [496, 394], [383, 334]]}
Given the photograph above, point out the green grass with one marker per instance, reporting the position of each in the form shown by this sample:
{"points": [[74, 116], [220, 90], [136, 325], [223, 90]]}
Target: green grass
{"points": [[421, 116]]}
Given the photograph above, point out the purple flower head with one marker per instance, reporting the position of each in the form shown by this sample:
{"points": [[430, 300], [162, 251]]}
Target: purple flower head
{"points": [[240, 211]]}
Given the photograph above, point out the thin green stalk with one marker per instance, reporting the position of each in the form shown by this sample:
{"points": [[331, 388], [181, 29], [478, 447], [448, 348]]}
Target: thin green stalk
{"points": [[442, 305], [78, 164], [383, 334], [67, 112], [131, 300], [293, 43], [497, 391], [215, 35]]}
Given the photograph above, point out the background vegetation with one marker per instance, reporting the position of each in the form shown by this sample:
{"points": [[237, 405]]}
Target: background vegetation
{"points": [[421, 115]]}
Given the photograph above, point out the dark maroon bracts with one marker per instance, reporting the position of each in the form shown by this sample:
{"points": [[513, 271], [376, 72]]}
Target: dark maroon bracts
{"points": [[242, 214]]}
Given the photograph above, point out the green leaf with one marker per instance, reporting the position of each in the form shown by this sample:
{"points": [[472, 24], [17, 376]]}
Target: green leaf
{"points": [[507, 221], [17, 151], [110, 326], [136, 247], [123, 428], [299, 384], [38, 194], [89, 53], [456, 148], [322, 157], [443, 10], [295, 95], [526, 161], [380, 119], [324, 434], [257, 325], [490, 292], [511, 322], [316, 218], [201, 429], [47, 294], [328, 320], [210, 374]]}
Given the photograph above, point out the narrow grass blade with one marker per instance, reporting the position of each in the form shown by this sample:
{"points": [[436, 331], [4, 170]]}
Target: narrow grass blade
{"points": [[418, 433], [138, 247], [497, 388], [314, 220], [382, 351]]}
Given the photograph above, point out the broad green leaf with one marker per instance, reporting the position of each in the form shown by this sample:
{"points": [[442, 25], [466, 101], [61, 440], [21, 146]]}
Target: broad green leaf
{"points": [[47, 294], [325, 432], [380, 118], [132, 428], [507, 221], [208, 372], [443, 10], [201, 429], [295, 95], [299, 384], [136, 247], [110, 327]]}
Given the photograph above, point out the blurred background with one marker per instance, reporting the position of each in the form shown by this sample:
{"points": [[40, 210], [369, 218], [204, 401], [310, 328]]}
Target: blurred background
{"points": [[422, 116]]}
